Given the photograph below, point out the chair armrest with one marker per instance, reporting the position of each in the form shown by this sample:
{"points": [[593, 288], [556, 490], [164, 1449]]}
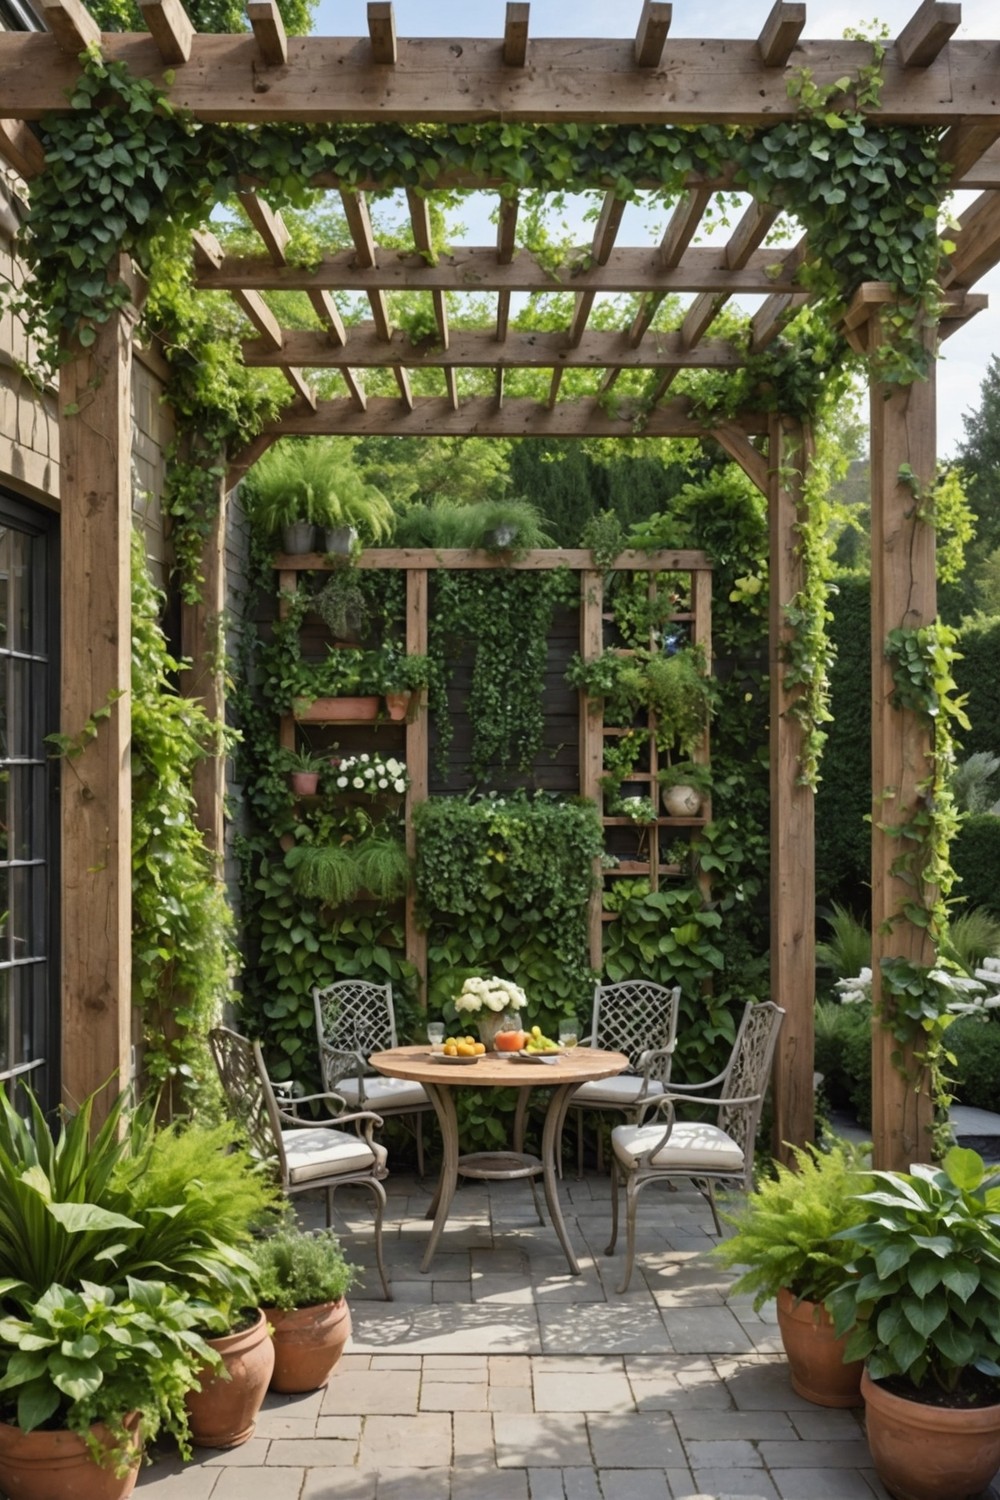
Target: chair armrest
{"points": [[655, 1064], [656, 1102], [372, 1121], [288, 1108]]}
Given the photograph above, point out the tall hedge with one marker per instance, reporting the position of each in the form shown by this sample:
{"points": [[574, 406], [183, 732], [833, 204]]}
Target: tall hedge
{"points": [[843, 836]]}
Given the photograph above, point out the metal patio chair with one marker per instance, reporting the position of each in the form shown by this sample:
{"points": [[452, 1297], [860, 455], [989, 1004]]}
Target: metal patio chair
{"points": [[355, 1018], [639, 1018], [307, 1153], [661, 1148]]}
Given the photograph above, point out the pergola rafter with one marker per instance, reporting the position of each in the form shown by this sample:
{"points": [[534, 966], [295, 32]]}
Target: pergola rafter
{"points": [[930, 79]]}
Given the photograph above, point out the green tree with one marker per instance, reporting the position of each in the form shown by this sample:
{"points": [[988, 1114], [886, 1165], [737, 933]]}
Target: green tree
{"points": [[205, 15], [979, 457]]}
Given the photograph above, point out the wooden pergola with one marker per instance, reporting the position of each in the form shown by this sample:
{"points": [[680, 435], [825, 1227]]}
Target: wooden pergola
{"points": [[647, 79]]}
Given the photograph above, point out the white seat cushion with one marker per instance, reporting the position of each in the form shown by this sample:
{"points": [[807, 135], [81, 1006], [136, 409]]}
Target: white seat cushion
{"points": [[623, 1090], [692, 1147], [383, 1093], [322, 1152]]}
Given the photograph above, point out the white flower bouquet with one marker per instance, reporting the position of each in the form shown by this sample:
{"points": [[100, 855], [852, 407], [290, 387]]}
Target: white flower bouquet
{"points": [[489, 994], [372, 773]]}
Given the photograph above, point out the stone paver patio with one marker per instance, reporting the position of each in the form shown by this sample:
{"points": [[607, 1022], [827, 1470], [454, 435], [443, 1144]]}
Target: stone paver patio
{"points": [[499, 1376]]}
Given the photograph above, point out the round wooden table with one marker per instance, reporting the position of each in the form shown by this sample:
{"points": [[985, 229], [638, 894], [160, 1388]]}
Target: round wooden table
{"points": [[562, 1076]]}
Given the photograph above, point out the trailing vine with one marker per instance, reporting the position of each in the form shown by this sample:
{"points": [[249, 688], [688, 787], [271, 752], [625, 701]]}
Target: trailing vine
{"points": [[183, 952], [914, 998]]}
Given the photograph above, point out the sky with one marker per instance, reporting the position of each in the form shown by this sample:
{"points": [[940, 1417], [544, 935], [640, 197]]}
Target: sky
{"points": [[965, 355]]}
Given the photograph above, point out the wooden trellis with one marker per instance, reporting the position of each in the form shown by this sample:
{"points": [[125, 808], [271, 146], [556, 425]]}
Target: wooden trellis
{"points": [[930, 79]]}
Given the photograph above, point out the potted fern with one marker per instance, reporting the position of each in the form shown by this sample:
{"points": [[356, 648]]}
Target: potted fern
{"points": [[787, 1240], [301, 484], [303, 1279]]}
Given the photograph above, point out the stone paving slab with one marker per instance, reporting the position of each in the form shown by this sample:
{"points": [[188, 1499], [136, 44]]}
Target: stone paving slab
{"points": [[499, 1376]]}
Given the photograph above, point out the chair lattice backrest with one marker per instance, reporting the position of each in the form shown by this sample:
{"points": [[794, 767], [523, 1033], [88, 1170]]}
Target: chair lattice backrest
{"points": [[749, 1071], [248, 1092], [354, 1015], [634, 1016]]}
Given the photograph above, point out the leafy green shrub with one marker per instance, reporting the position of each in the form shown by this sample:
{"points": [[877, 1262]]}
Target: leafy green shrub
{"points": [[975, 856], [974, 1041], [848, 950], [971, 937], [296, 1269], [973, 784], [843, 1056], [977, 674], [843, 798]]}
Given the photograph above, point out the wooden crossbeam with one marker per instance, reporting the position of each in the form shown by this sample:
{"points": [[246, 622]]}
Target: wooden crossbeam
{"points": [[473, 268], [506, 242], [515, 35], [587, 80], [299, 385], [269, 32], [207, 250], [261, 317], [524, 348], [21, 148], [360, 225], [72, 25], [170, 28], [683, 225], [751, 229], [965, 147], [607, 227], [382, 31], [958, 312], [651, 34], [780, 33], [977, 242], [269, 225], [480, 416], [772, 316], [928, 32]]}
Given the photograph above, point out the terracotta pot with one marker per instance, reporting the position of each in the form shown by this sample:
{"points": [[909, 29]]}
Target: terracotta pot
{"points": [[924, 1452], [816, 1354], [304, 783], [397, 705], [308, 1342], [682, 801], [57, 1466], [224, 1412], [331, 710]]}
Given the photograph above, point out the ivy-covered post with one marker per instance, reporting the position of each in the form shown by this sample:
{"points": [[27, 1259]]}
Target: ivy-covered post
{"points": [[904, 597], [203, 648], [792, 819], [95, 448]]}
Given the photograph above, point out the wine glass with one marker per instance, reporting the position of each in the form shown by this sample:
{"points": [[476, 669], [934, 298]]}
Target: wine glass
{"points": [[568, 1033], [435, 1035]]}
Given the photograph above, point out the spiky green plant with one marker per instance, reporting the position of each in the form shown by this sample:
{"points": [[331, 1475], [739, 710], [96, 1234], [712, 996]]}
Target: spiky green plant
{"points": [[325, 872], [973, 936], [382, 865], [973, 782], [848, 950]]}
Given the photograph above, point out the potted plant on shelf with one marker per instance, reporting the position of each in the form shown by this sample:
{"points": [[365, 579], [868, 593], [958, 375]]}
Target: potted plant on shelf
{"points": [[303, 1279], [304, 770], [342, 604], [684, 787], [404, 678], [681, 696], [920, 1306], [342, 686], [300, 484], [786, 1238]]}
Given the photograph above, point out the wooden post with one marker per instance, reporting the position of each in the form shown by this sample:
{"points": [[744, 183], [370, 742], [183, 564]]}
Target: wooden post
{"points": [[95, 438], [904, 595], [793, 864], [203, 647]]}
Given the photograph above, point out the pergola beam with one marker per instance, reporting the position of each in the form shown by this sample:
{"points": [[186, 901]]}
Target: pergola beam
{"points": [[170, 28], [21, 148], [780, 33], [431, 416], [515, 35], [269, 32], [928, 32], [651, 33], [527, 349], [335, 80], [382, 32], [484, 268]]}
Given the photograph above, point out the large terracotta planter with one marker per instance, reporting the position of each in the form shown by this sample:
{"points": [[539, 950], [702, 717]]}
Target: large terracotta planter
{"points": [[224, 1412], [308, 1342], [57, 1465], [816, 1354], [924, 1452]]}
